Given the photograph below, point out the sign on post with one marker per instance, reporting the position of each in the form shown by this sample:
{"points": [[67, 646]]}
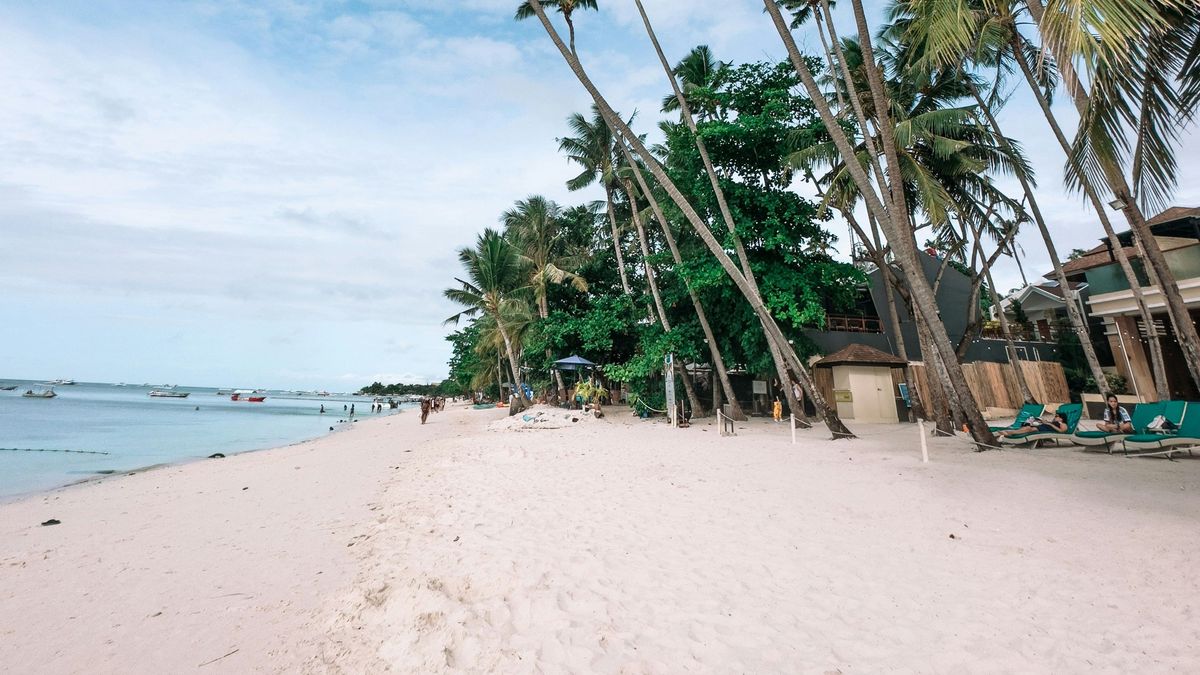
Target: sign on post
{"points": [[669, 372]]}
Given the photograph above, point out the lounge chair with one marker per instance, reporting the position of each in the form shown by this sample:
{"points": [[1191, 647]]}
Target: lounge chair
{"points": [[1073, 411], [1142, 416], [1028, 412], [1187, 437]]}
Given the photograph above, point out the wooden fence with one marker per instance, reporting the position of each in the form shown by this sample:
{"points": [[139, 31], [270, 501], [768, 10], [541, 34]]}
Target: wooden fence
{"points": [[995, 386]]}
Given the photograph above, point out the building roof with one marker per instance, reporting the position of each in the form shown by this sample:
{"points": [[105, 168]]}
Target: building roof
{"points": [[1100, 255], [857, 354]]}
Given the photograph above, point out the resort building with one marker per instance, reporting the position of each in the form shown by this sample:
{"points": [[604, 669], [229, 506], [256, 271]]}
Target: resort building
{"points": [[1110, 303]]}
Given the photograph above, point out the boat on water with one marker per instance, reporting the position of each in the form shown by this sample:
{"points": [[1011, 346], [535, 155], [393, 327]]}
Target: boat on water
{"points": [[248, 395], [159, 393], [40, 393], [58, 382], [12, 388]]}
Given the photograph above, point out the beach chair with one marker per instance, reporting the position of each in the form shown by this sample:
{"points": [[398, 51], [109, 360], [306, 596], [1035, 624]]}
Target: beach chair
{"points": [[1073, 411], [1143, 415], [1187, 437], [1028, 412]]}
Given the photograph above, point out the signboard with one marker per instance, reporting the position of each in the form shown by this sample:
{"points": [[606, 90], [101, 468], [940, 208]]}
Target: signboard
{"points": [[669, 372], [760, 387], [843, 396]]}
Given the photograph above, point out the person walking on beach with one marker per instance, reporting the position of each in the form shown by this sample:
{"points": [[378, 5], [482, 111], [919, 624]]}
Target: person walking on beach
{"points": [[425, 405], [777, 410]]}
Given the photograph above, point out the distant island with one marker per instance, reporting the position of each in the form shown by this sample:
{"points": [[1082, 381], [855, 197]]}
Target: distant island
{"points": [[444, 388]]}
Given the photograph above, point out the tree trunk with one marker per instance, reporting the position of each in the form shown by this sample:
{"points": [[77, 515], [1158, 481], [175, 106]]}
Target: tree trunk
{"points": [[917, 407], [898, 234], [1153, 340], [735, 409], [521, 402], [785, 383], [1181, 319], [836, 427], [1009, 346], [616, 237], [1074, 316]]}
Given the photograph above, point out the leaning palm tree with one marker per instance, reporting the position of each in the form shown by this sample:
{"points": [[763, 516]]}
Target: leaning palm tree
{"points": [[495, 284], [565, 7], [533, 226], [592, 148], [699, 70]]}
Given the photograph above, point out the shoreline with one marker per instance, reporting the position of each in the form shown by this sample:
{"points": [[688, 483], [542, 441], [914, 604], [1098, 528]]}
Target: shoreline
{"points": [[615, 545], [337, 427]]}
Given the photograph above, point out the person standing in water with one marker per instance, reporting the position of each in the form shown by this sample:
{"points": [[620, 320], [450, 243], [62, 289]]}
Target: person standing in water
{"points": [[322, 408], [352, 410]]}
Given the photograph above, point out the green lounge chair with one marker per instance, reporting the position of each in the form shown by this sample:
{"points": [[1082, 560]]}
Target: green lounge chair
{"points": [[1187, 437], [1073, 411], [1143, 415], [1028, 411]]}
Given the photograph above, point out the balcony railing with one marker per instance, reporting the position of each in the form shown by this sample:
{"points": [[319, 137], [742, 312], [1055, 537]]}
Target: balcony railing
{"points": [[853, 324], [1022, 333]]}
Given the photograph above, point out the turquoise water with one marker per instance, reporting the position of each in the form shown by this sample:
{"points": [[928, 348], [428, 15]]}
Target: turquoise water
{"points": [[134, 430]]}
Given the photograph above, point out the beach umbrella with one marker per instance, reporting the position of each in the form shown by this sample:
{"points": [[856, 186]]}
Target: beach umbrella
{"points": [[573, 362]]}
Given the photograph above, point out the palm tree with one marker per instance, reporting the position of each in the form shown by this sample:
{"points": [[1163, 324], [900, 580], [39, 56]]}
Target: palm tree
{"points": [[493, 288], [592, 148], [566, 7], [699, 70], [533, 228], [987, 36], [750, 291], [886, 200]]}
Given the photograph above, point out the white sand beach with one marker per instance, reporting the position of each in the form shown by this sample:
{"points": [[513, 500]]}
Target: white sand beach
{"points": [[611, 546]]}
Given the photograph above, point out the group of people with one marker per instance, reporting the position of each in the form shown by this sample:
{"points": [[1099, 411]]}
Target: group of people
{"points": [[431, 404]]}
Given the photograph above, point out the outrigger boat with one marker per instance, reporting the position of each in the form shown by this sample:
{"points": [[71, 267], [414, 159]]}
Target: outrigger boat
{"points": [[43, 393], [158, 393]]}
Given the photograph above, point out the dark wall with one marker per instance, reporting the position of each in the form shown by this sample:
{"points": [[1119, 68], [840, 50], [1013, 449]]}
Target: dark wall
{"points": [[954, 295]]}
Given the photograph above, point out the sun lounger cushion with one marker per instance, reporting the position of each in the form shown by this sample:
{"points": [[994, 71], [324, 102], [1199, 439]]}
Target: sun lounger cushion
{"points": [[1073, 411], [1187, 434], [1143, 414], [1028, 411]]}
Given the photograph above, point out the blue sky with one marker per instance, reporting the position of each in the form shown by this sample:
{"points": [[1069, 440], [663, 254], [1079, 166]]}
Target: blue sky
{"points": [[229, 192]]}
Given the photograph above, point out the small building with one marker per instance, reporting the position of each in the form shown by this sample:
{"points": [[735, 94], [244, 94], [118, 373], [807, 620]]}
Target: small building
{"points": [[863, 382]]}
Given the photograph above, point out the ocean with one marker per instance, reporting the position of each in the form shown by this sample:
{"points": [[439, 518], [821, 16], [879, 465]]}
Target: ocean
{"points": [[94, 429]]}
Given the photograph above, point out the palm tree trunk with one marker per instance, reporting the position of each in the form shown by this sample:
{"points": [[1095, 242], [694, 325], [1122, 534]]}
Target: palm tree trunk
{"points": [[616, 238], [828, 414], [1153, 340], [685, 112], [1181, 319], [898, 234], [521, 402], [714, 351], [1074, 316], [652, 281]]}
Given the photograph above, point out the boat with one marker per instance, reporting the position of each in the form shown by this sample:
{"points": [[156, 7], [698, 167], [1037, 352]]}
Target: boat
{"points": [[158, 393], [12, 388], [247, 395], [41, 393]]}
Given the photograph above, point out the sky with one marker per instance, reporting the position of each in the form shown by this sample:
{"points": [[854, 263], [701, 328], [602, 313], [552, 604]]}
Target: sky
{"points": [[271, 193]]}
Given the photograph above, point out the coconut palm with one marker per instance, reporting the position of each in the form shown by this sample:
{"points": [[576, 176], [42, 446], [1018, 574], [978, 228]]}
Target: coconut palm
{"points": [[495, 288], [984, 33], [699, 70], [565, 7], [533, 227], [885, 199], [593, 149]]}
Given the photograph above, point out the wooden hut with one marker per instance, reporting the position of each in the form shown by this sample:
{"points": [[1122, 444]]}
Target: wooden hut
{"points": [[862, 382]]}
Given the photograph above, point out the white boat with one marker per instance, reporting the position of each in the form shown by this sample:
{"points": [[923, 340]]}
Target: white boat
{"points": [[58, 382], [158, 393], [41, 393]]}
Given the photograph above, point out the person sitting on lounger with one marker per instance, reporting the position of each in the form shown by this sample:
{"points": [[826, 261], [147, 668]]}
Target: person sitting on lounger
{"points": [[1116, 418], [1056, 425]]}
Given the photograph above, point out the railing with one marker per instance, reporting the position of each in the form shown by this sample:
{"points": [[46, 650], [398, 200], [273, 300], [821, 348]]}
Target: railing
{"points": [[853, 324], [1022, 333]]}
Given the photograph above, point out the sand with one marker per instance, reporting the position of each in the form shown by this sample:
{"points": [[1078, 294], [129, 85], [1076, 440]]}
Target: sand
{"points": [[615, 546]]}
